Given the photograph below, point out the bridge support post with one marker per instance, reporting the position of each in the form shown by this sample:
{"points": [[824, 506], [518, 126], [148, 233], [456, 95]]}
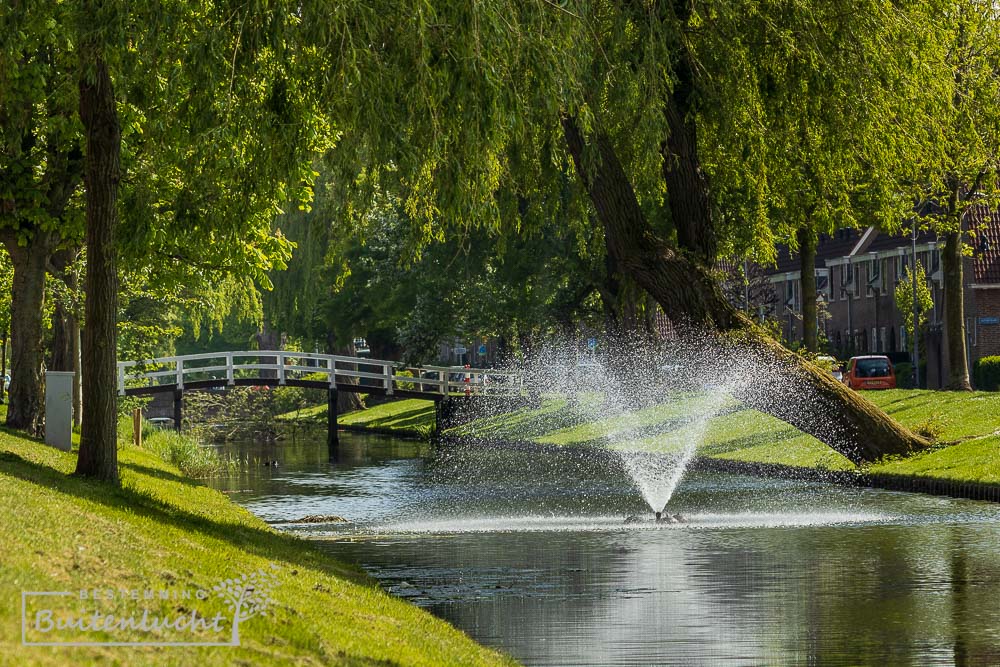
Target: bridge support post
{"points": [[178, 408], [332, 439], [443, 413]]}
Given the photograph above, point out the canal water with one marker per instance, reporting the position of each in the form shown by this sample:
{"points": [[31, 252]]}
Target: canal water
{"points": [[528, 552]]}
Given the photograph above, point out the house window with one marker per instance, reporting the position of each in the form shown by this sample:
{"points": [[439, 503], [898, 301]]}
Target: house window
{"points": [[881, 340], [823, 283], [856, 279], [792, 295], [874, 278], [903, 343], [874, 340]]}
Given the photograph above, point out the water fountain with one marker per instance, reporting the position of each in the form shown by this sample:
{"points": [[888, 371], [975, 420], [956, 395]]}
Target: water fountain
{"points": [[649, 405]]}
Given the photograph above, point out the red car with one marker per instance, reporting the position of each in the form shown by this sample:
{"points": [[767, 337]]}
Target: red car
{"points": [[870, 372]]}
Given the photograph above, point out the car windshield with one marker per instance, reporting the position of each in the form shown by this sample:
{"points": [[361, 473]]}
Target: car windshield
{"points": [[872, 368]]}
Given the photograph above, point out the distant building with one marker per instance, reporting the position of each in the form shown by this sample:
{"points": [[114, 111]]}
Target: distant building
{"points": [[856, 275]]}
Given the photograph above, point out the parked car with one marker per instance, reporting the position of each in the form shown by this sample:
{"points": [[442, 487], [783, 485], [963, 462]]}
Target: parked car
{"points": [[870, 372]]}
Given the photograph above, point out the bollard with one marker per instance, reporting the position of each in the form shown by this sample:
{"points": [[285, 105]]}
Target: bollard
{"points": [[468, 390], [137, 427]]}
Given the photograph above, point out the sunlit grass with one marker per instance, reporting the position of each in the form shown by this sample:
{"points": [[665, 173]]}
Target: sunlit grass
{"points": [[161, 529], [410, 416]]}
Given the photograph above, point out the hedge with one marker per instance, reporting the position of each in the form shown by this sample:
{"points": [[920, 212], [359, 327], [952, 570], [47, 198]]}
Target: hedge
{"points": [[987, 373]]}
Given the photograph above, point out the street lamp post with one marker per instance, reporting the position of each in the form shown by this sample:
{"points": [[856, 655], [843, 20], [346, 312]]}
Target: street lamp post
{"points": [[875, 270], [850, 325]]}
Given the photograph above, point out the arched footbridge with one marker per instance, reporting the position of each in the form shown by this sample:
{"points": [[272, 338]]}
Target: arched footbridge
{"points": [[311, 370]]}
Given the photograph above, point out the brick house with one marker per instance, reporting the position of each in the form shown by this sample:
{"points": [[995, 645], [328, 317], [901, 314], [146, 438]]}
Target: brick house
{"points": [[856, 275]]}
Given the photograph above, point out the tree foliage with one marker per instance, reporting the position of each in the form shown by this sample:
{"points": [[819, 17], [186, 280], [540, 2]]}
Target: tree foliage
{"points": [[904, 299]]}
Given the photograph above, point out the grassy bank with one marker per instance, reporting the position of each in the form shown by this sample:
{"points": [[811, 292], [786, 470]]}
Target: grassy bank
{"points": [[966, 426], [409, 417], [161, 530]]}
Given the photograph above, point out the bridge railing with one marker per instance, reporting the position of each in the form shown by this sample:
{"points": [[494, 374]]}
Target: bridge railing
{"points": [[282, 365]]}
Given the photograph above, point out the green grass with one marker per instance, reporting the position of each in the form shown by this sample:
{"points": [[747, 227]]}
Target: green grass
{"points": [[965, 425], [410, 416], [163, 530], [311, 413], [974, 460]]}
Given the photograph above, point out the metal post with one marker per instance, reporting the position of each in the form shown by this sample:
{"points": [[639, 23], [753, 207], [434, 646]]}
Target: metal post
{"points": [[332, 439], [178, 408], [875, 264], [916, 310], [850, 324]]}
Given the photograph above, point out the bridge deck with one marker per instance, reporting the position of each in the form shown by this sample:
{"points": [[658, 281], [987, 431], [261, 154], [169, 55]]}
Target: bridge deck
{"points": [[275, 368]]}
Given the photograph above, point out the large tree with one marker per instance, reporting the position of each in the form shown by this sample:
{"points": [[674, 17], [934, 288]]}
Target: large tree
{"points": [[185, 124], [961, 167], [41, 171], [657, 105]]}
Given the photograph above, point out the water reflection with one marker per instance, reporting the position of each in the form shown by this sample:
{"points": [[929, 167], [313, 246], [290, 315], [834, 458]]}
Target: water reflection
{"points": [[525, 553]]}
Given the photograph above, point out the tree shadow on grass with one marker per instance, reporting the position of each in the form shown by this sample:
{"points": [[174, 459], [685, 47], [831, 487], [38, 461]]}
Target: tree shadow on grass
{"points": [[390, 419], [165, 475], [264, 543], [417, 420], [748, 441]]}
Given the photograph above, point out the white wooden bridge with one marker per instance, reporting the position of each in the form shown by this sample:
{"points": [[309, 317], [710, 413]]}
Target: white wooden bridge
{"points": [[334, 373], [308, 369]]}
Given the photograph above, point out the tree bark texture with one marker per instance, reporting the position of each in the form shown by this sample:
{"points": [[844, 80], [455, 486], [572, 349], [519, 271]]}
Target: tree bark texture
{"points": [[807, 257], [347, 401], [789, 387], [3, 367], [688, 194], [954, 312], [98, 443], [26, 399], [60, 353]]}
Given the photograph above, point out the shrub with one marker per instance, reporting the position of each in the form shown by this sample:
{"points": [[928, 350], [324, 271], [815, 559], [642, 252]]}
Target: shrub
{"points": [[904, 375], [932, 427], [408, 386], [987, 373], [186, 452]]}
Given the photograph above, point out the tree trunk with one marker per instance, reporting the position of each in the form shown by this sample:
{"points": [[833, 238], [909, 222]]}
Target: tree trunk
{"points": [[98, 443], [954, 312], [60, 353], [77, 372], [24, 410], [807, 256], [3, 367], [268, 339], [61, 350], [347, 401], [789, 387]]}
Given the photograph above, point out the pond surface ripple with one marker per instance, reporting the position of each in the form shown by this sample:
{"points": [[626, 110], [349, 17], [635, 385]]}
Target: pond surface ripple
{"points": [[529, 553]]}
